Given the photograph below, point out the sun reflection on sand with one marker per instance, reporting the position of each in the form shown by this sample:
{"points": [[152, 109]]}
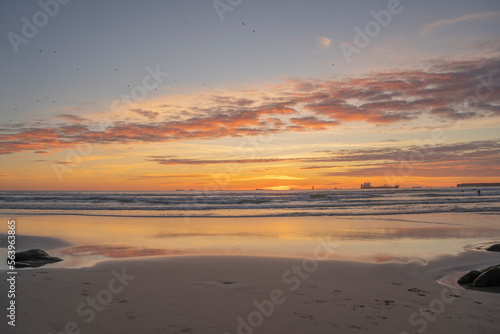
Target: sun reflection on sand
{"points": [[375, 239]]}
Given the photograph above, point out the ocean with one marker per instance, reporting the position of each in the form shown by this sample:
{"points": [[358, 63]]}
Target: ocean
{"points": [[375, 225], [258, 203]]}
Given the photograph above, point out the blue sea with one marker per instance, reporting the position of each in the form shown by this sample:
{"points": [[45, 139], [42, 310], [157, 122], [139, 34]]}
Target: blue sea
{"points": [[258, 203]]}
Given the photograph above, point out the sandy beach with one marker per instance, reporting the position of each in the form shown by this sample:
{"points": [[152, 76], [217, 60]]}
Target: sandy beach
{"points": [[243, 294]]}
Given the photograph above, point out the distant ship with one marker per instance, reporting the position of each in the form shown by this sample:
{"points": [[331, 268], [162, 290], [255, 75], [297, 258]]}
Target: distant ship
{"points": [[462, 185], [368, 185]]}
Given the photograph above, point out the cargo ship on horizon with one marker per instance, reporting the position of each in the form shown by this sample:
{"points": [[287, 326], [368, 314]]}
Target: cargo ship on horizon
{"points": [[474, 185], [368, 185]]}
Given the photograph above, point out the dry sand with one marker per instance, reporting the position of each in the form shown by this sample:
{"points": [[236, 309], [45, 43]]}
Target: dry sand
{"points": [[208, 294]]}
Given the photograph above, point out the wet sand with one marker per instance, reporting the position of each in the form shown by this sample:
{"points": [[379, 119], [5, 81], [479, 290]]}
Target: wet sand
{"points": [[238, 294], [314, 286]]}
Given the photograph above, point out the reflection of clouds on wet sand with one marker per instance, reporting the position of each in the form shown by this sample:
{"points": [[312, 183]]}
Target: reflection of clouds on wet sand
{"points": [[236, 234], [374, 239], [88, 255], [25, 242], [112, 251], [415, 233], [352, 233]]}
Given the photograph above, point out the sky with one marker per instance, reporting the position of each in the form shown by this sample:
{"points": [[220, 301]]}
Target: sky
{"points": [[240, 94]]}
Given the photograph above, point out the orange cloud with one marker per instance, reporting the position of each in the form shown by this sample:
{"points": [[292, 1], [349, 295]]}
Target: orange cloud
{"points": [[449, 90]]}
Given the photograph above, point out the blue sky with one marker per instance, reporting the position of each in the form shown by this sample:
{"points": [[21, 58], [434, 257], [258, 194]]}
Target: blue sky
{"points": [[189, 41]]}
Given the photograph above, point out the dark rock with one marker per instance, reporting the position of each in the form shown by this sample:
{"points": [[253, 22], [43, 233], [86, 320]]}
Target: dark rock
{"points": [[494, 248], [22, 265], [486, 269], [34, 258], [490, 277], [469, 277]]}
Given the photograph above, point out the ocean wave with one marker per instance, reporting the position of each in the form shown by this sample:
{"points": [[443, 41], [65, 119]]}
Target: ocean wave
{"points": [[253, 203]]}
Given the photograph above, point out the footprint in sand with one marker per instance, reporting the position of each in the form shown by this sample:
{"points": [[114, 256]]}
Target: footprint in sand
{"points": [[304, 316], [226, 282], [161, 331], [130, 316], [355, 327], [372, 320], [386, 302], [123, 301], [418, 291], [357, 306], [428, 311], [182, 329], [336, 292], [334, 325]]}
